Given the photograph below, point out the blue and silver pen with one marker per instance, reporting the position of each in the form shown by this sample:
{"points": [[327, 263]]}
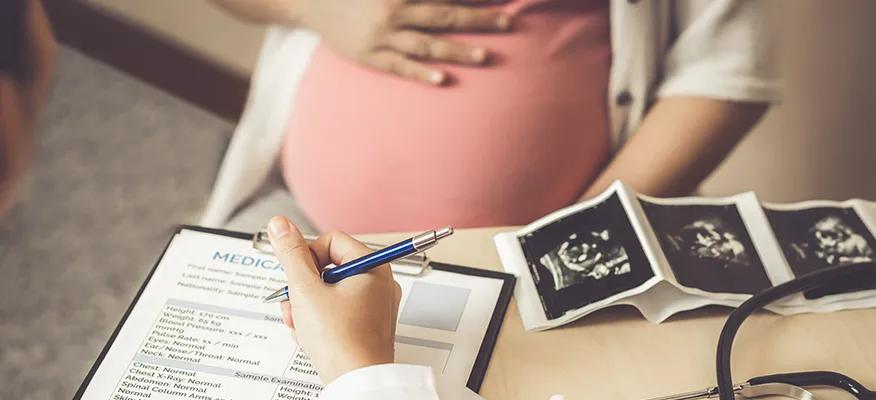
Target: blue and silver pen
{"points": [[364, 264]]}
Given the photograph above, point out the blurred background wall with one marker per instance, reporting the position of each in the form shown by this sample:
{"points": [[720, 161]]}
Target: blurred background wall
{"points": [[819, 143], [196, 24]]}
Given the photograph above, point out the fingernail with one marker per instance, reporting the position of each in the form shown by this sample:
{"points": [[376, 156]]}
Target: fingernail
{"points": [[479, 55], [503, 22], [279, 227], [436, 77]]}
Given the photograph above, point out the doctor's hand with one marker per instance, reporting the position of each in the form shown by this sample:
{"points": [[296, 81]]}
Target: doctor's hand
{"points": [[341, 327], [399, 36]]}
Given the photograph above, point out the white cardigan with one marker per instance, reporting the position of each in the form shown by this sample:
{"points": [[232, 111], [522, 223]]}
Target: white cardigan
{"points": [[708, 48]]}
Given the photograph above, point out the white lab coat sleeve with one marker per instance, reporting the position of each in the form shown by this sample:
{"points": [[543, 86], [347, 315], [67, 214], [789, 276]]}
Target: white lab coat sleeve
{"points": [[721, 49], [393, 382], [396, 382]]}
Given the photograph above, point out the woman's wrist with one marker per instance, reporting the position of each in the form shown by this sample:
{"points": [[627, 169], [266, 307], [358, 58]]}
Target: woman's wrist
{"points": [[280, 12]]}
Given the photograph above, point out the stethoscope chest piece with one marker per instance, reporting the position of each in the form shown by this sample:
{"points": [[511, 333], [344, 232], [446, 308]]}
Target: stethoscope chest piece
{"points": [[750, 391]]}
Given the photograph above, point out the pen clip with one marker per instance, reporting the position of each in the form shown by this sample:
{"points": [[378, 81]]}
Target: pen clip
{"points": [[413, 265]]}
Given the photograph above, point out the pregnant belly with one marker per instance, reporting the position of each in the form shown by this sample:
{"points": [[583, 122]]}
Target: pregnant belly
{"points": [[368, 152]]}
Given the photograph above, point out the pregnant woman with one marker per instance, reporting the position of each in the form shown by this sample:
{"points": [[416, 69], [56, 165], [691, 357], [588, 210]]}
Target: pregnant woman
{"points": [[391, 115], [498, 145]]}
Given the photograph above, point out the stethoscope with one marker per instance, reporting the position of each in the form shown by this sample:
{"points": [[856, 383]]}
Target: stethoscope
{"points": [[791, 385]]}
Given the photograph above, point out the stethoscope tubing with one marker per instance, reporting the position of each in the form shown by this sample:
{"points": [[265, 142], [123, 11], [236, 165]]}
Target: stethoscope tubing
{"points": [[737, 317]]}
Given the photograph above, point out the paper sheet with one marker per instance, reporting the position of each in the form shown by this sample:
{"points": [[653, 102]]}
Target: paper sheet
{"points": [[664, 256], [200, 330]]}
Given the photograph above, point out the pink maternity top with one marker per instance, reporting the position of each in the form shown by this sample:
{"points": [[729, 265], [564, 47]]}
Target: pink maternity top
{"points": [[502, 145]]}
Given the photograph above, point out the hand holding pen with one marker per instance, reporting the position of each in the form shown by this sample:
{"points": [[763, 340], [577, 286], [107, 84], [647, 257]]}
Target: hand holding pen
{"points": [[358, 316], [405, 248]]}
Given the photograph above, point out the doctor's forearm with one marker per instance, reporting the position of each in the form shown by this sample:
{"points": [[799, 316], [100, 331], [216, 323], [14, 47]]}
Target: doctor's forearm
{"points": [[679, 143]]}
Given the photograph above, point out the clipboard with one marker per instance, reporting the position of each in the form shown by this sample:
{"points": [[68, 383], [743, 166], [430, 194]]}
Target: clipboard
{"points": [[478, 369]]}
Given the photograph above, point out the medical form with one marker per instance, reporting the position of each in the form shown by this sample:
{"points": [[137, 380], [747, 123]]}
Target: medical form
{"points": [[198, 328]]}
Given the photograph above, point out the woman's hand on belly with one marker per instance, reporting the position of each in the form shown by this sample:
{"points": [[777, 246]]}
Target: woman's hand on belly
{"points": [[398, 36]]}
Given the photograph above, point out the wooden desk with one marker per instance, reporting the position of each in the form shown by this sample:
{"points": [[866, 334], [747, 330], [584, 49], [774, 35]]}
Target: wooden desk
{"points": [[617, 354]]}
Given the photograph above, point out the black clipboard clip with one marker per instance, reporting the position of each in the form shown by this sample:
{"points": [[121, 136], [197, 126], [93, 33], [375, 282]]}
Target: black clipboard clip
{"points": [[413, 265]]}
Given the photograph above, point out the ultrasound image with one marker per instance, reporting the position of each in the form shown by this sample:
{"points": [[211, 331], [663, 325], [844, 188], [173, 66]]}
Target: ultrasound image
{"points": [[821, 237], [590, 255], [708, 247], [585, 257]]}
